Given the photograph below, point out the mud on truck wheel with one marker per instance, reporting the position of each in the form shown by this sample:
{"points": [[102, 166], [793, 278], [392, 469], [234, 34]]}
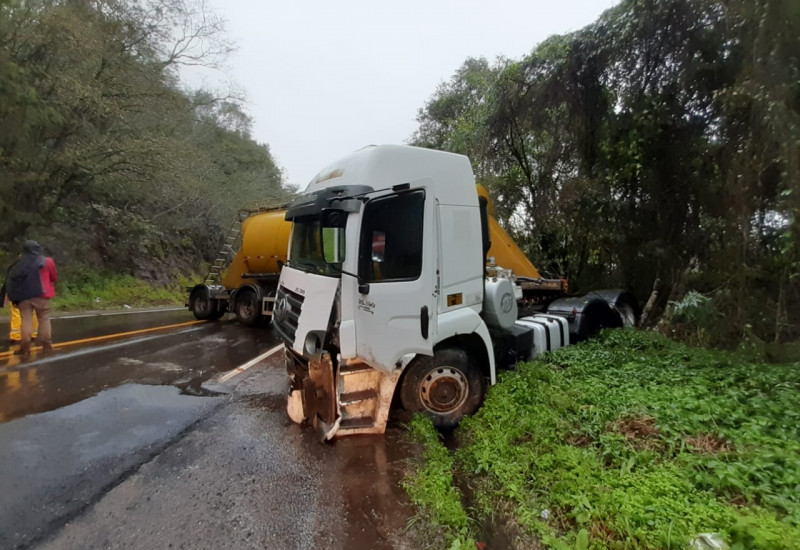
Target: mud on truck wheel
{"points": [[446, 386]]}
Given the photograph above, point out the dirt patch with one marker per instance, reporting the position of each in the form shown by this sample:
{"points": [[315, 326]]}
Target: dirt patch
{"points": [[502, 532], [640, 431], [601, 531], [709, 443], [581, 440], [738, 500], [505, 536]]}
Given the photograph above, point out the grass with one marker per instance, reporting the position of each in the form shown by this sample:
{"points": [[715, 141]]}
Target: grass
{"points": [[431, 488], [90, 290], [634, 441]]}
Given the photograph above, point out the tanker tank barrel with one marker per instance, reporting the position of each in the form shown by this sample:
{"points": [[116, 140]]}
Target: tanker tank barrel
{"points": [[247, 267]]}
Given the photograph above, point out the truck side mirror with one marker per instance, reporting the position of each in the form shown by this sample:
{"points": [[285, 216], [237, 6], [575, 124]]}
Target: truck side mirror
{"points": [[334, 217], [334, 220]]}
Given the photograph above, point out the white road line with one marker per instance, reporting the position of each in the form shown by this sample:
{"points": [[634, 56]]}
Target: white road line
{"points": [[89, 351], [240, 369]]}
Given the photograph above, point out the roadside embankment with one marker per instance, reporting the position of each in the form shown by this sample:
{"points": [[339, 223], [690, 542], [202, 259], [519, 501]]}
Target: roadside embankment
{"points": [[628, 441]]}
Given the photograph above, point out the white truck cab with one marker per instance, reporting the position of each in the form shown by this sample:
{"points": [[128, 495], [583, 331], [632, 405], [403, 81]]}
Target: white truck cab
{"points": [[385, 277], [390, 295]]}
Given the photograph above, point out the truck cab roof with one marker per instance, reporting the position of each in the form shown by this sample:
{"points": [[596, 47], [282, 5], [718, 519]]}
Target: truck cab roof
{"points": [[385, 166]]}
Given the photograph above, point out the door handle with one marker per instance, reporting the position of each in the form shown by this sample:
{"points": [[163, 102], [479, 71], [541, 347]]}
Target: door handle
{"points": [[424, 321]]}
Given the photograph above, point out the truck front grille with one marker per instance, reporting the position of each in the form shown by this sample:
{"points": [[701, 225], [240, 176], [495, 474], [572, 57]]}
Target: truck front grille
{"points": [[286, 313]]}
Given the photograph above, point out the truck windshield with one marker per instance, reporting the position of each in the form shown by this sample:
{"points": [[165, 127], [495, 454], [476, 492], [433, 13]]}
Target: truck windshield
{"points": [[311, 244]]}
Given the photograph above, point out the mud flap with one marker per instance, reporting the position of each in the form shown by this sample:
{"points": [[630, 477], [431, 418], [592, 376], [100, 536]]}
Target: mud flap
{"points": [[294, 407], [312, 395], [319, 391]]}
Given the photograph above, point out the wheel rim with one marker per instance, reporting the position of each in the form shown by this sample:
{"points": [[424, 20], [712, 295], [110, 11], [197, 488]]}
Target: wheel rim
{"points": [[202, 305], [444, 389], [246, 309]]}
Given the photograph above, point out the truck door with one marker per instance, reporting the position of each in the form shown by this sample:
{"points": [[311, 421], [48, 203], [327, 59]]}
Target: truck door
{"points": [[395, 310]]}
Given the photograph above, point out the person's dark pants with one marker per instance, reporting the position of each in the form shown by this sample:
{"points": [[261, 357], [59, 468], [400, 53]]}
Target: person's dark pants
{"points": [[42, 308]]}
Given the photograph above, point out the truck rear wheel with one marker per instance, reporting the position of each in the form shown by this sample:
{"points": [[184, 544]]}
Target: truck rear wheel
{"points": [[248, 307], [446, 386]]}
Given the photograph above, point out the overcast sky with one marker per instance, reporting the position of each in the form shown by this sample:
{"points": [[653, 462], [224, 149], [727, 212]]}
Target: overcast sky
{"points": [[324, 78]]}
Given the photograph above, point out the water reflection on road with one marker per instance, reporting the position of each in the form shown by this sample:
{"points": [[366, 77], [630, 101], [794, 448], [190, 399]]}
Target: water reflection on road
{"points": [[184, 357]]}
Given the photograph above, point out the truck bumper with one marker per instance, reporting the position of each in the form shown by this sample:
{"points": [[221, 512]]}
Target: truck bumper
{"points": [[339, 400]]}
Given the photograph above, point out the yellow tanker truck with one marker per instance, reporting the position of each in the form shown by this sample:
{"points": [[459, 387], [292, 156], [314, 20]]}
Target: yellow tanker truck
{"points": [[243, 280]]}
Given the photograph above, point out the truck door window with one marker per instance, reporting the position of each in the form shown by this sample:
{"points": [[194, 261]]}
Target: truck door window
{"points": [[391, 238]]}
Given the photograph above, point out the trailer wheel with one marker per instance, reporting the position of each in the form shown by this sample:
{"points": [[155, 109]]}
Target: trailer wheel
{"points": [[203, 306], [446, 386], [248, 307]]}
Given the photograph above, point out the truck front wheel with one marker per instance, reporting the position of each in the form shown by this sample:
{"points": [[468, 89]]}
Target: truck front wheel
{"points": [[446, 386]]}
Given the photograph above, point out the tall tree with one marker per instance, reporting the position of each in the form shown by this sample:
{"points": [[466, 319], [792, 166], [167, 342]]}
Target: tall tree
{"points": [[103, 138], [657, 146]]}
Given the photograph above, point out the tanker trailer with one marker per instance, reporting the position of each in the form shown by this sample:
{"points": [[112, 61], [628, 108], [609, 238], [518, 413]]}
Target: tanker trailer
{"points": [[244, 276]]}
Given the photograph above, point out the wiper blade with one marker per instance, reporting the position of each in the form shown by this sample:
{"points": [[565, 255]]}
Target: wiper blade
{"points": [[308, 265], [339, 269]]}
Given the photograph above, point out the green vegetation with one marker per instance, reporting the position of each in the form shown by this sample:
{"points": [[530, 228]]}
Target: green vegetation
{"points": [[431, 488], [105, 157], [655, 149], [90, 290], [635, 441]]}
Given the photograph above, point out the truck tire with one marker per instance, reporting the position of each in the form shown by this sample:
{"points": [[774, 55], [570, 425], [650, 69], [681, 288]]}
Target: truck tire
{"points": [[203, 306], [446, 386], [248, 307]]}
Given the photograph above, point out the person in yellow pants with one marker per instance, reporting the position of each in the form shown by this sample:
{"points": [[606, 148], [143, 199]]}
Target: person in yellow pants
{"points": [[15, 333]]}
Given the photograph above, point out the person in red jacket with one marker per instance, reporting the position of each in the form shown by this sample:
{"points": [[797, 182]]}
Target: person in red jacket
{"points": [[30, 285]]}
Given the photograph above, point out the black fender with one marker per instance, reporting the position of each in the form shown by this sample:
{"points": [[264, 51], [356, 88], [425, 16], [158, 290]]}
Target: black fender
{"points": [[255, 288], [586, 315], [623, 303]]}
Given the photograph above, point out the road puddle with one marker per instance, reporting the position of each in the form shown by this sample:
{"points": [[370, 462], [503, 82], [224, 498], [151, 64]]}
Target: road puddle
{"points": [[194, 387], [377, 507]]}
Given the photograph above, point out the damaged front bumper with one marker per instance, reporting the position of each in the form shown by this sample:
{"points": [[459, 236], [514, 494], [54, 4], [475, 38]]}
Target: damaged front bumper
{"points": [[339, 399]]}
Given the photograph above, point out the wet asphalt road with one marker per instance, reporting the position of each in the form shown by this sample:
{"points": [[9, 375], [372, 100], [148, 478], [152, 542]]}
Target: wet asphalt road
{"points": [[115, 444], [183, 356]]}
